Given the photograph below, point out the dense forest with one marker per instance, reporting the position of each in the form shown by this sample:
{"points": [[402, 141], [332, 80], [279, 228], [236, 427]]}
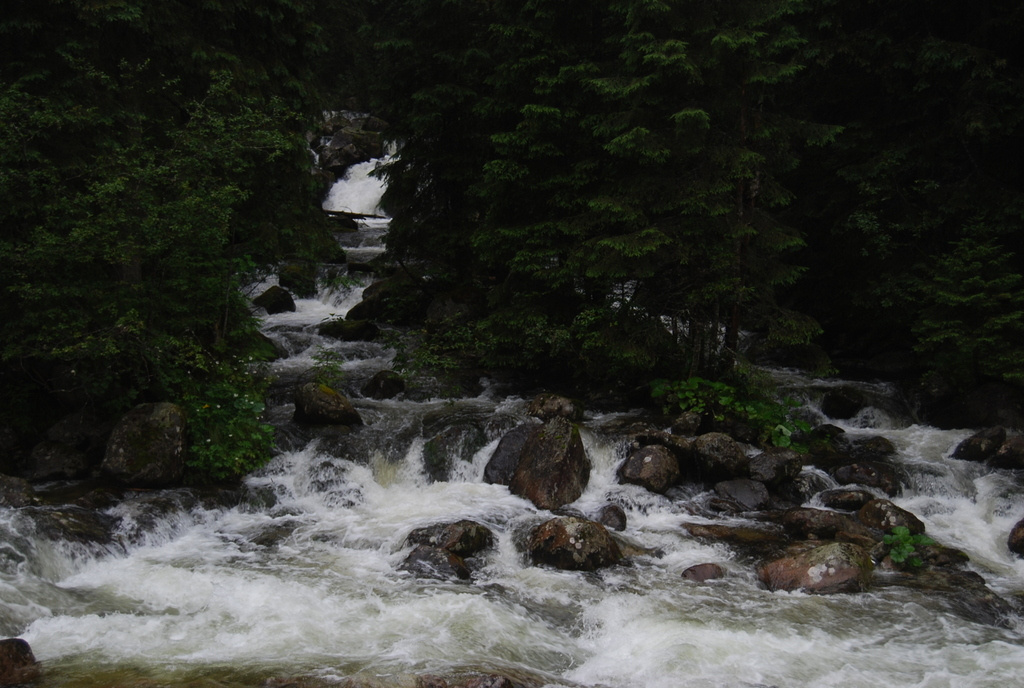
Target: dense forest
{"points": [[609, 191]]}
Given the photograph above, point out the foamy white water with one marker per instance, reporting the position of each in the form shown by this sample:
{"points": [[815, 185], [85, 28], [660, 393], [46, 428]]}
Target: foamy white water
{"points": [[304, 575], [358, 191]]}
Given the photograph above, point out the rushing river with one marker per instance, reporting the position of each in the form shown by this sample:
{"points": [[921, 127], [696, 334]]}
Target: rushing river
{"points": [[304, 576]]}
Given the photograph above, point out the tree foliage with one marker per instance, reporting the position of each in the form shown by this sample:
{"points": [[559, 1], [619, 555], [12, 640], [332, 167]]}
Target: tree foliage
{"points": [[152, 155]]}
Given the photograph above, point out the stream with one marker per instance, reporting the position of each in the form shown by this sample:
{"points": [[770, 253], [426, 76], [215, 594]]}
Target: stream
{"points": [[302, 575]]}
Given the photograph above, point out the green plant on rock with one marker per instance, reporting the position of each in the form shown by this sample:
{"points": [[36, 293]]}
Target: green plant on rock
{"points": [[773, 419], [903, 546], [328, 367], [227, 435]]}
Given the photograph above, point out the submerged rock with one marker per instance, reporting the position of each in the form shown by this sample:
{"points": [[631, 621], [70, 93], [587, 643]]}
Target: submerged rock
{"points": [[832, 568], [574, 544], [553, 469], [147, 447]]}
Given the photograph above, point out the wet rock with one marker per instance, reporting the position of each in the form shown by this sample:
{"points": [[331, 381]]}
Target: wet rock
{"points": [[553, 469], [74, 524], [833, 568], [275, 300], [349, 330], [686, 424], [654, 468], [147, 447], [457, 442], [298, 279], [1015, 541], [981, 446], [464, 538], [317, 404], [612, 516], [385, 384], [842, 403], [704, 572], [775, 466], [864, 449], [845, 499], [17, 663], [426, 561], [84, 431], [750, 495], [964, 593], [572, 543], [492, 681], [720, 457], [505, 458], [547, 406], [759, 541], [1010, 455], [56, 461], [821, 524], [883, 515], [15, 492], [870, 474]]}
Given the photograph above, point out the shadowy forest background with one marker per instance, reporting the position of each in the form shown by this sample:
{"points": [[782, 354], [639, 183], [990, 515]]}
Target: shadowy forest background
{"points": [[612, 191]]}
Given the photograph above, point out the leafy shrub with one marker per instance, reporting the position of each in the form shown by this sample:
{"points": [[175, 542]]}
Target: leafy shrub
{"points": [[773, 419], [903, 546]]}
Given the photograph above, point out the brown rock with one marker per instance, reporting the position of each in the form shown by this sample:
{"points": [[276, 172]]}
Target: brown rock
{"points": [[884, 515], [17, 663], [317, 404], [869, 474], [832, 568], [547, 406], [654, 468], [720, 457], [572, 543], [703, 572], [464, 537], [982, 445], [1015, 541]]}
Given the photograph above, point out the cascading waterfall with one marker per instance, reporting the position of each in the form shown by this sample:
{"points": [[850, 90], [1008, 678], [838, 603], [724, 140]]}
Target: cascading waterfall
{"points": [[303, 576]]}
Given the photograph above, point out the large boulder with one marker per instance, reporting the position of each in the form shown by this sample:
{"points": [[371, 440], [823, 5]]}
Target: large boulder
{"points": [[982, 445], [275, 300], [553, 469], [822, 524], [720, 457], [503, 462], [17, 663], [574, 544], [832, 568], [56, 461], [317, 404], [147, 446], [654, 468], [843, 402]]}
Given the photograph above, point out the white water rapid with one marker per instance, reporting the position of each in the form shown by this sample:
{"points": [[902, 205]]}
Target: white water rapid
{"points": [[302, 577]]}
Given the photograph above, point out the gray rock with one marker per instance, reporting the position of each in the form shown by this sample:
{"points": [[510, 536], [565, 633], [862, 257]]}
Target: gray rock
{"points": [[572, 543], [654, 468], [553, 468], [147, 446]]}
